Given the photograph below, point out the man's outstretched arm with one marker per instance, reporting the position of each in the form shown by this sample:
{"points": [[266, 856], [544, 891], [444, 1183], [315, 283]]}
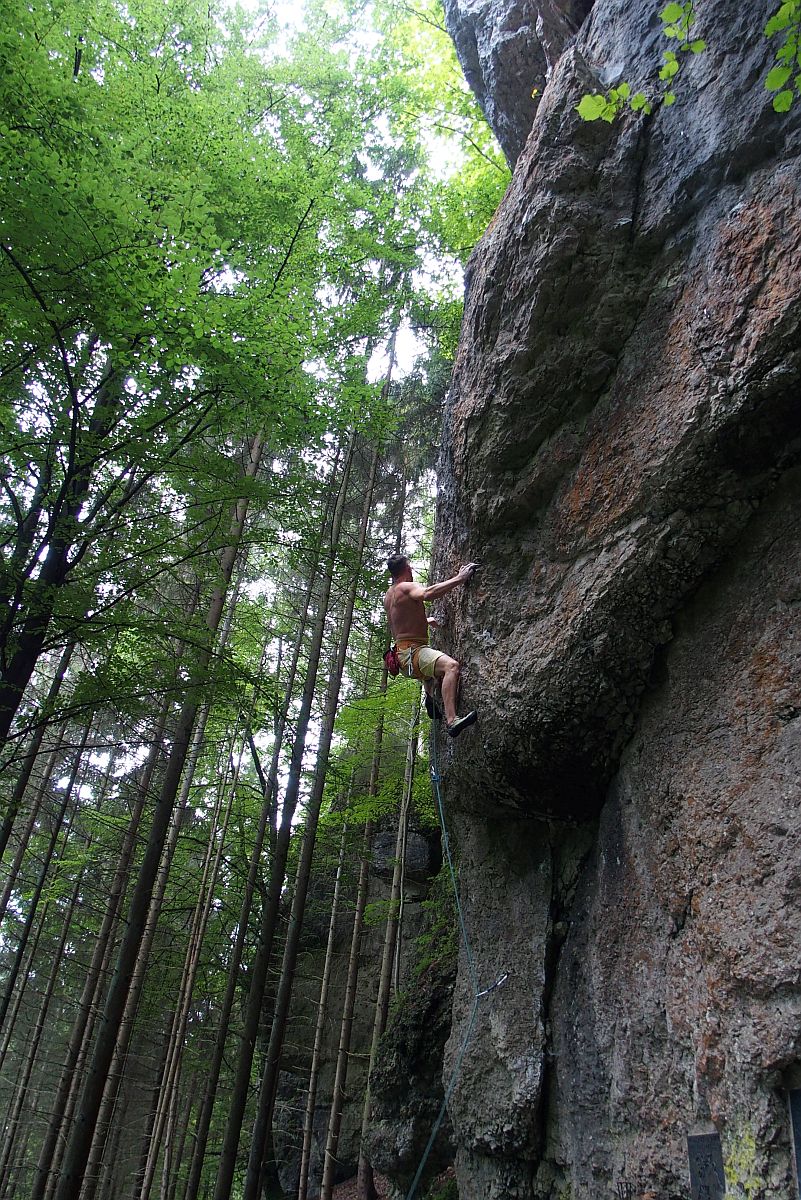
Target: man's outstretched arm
{"points": [[418, 592]]}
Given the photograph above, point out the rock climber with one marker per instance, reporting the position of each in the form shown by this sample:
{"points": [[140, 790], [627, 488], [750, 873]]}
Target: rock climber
{"points": [[409, 624]]}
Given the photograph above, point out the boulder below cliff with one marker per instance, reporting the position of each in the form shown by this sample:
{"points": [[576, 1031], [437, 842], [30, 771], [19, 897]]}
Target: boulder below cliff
{"points": [[619, 454]]}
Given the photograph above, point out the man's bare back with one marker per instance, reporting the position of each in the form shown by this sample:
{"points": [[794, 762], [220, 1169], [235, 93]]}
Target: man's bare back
{"points": [[404, 603], [406, 613]]}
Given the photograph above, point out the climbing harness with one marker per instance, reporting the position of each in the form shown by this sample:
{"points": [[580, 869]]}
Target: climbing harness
{"points": [[478, 993]]}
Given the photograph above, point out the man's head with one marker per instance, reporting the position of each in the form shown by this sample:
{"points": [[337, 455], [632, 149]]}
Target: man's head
{"points": [[399, 568]]}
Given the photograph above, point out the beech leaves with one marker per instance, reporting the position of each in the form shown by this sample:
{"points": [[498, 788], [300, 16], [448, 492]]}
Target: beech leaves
{"points": [[784, 79]]}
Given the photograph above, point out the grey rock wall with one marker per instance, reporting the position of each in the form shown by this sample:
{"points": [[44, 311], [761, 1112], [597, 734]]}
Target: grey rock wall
{"points": [[677, 1002], [620, 454], [507, 52]]}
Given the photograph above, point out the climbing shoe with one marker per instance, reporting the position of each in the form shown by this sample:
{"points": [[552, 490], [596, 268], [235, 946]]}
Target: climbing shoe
{"points": [[456, 727], [432, 708]]}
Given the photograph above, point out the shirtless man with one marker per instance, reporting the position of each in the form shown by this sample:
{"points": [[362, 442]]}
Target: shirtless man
{"points": [[409, 624]]}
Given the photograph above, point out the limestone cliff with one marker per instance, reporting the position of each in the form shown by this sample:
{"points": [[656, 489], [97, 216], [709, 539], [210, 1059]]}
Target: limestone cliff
{"points": [[620, 455]]}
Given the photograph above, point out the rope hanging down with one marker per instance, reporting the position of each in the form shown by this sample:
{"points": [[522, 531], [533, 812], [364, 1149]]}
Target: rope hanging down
{"points": [[478, 993]]}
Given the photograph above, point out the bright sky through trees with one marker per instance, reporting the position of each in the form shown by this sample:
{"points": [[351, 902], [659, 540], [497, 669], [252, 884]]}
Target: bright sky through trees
{"points": [[231, 242]]}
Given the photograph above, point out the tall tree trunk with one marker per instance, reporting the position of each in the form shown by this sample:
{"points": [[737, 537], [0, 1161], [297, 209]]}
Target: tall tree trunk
{"points": [[269, 1080], [61, 1111], [365, 1182], [168, 1089], [266, 820], [30, 825], [349, 1004], [29, 759], [170, 1186], [13, 1120], [319, 1031], [12, 1018], [43, 591], [258, 972], [80, 1139], [128, 1019], [22, 941]]}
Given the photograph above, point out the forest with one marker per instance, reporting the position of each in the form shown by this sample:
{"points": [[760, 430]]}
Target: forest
{"points": [[232, 247]]}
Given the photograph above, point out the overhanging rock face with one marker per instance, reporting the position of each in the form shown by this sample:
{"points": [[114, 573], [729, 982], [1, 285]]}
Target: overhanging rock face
{"points": [[626, 391], [507, 51], [619, 454]]}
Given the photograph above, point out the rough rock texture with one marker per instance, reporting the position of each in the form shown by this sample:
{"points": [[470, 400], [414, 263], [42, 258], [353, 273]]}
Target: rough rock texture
{"points": [[678, 996], [406, 1085], [507, 52], [619, 454], [423, 855]]}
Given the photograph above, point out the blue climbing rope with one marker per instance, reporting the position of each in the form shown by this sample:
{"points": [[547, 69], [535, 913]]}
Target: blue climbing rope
{"points": [[478, 993]]}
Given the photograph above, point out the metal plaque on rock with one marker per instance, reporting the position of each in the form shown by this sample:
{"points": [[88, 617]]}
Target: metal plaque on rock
{"points": [[707, 1178]]}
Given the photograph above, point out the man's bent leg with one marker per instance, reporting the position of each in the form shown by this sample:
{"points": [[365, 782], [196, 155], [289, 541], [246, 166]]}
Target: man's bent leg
{"points": [[446, 669]]}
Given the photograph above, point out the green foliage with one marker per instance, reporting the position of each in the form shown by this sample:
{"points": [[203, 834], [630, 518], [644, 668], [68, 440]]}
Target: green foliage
{"points": [[786, 20], [784, 79], [606, 107], [439, 944], [677, 21], [209, 227]]}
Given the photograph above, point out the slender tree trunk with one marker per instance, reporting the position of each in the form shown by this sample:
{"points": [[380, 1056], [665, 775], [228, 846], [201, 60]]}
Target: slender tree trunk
{"points": [[258, 973], [10, 1022], [13, 1119], [15, 1174], [169, 1189], [37, 892], [77, 1152], [30, 825], [346, 1027], [82, 1029], [168, 1089], [54, 571], [108, 1184], [269, 1080], [29, 761], [319, 1032], [266, 819], [365, 1182], [126, 1025], [147, 1139]]}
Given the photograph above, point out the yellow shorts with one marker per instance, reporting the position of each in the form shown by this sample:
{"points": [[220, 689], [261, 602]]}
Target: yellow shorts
{"points": [[422, 658]]}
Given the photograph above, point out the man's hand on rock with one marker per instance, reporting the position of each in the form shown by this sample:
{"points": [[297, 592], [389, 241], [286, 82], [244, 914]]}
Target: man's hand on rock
{"points": [[468, 571]]}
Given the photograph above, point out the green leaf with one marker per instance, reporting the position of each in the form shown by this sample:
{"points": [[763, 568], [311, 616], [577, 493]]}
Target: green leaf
{"points": [[590, 108], [780, 19], [777, 78], [671, 13], [624, 90], [639, 101], [783, 101], [697, 46], [668, 99]]}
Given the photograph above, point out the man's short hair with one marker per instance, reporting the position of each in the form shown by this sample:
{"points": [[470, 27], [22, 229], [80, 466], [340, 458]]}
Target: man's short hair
{"points": [[397, 564]]}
